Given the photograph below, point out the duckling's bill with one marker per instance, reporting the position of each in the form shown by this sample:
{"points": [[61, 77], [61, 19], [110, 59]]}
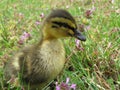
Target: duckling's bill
{"points": [[78, 35]]}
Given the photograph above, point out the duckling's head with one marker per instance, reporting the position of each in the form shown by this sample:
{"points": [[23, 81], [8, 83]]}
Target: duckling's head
{"points": [[60, 23]]}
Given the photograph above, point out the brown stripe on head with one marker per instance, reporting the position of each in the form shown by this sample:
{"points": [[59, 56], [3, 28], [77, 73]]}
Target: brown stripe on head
{"points": [[61, 15]]}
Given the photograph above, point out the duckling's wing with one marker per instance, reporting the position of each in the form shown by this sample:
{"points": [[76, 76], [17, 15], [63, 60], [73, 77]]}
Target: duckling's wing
{"points": [[25, 66]]}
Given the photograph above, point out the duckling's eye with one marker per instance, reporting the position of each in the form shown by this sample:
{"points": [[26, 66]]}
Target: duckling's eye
{"points": [[54, 26]]}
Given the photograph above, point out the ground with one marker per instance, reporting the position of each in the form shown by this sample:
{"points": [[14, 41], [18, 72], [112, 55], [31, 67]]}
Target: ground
{"points": [[92, 65]]}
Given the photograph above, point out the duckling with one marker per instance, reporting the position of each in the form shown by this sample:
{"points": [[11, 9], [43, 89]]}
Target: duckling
{"points": [[39, 64]]}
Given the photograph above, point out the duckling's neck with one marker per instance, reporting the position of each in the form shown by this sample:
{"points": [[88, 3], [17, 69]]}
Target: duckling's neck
{"points": [[48, 36]]}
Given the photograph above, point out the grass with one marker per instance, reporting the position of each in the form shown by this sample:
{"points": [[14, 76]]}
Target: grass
{"points": [[97, 67]]}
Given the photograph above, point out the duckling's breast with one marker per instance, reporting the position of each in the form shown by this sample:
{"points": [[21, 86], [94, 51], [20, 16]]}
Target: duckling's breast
{"points": [[47, 62], [53, 56]]}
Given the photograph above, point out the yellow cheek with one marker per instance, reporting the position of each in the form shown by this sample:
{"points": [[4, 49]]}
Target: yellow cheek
{"points": [[71, 32]]}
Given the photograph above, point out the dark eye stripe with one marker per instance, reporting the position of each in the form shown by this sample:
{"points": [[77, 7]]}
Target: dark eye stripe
{"points": [[61, 24], [54, 26]]}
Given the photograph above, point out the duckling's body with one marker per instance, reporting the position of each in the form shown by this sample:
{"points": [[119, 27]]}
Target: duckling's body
{"points": [[42, 63], [37, 65], [48, 61]]}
